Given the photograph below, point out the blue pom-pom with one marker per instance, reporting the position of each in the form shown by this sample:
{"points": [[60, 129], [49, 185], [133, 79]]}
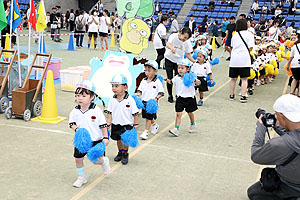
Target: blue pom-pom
{"points": [[189, 78], [151, 106], [195, 55], [209, 83], [96, 152], [82, 140], [108, 133], [215, 61], [138, 102], [129, 138], [161, 79]]}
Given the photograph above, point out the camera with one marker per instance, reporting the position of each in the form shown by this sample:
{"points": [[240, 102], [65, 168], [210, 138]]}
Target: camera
{"points": [[268, 119]]}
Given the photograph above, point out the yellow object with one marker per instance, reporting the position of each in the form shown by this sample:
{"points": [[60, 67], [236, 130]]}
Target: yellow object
{"points": [[278, 54], [252, 74], [276, 71], [288, 54], [269, 68], [282, 54], [260, 68], [6, 55], [258, 74], [233, 33], [135, 34], [49, 109], [92, 43], [213, 43], [281, 48], [41, 19], [266, 71], [281, 59], [112, 40], [274, 63]]}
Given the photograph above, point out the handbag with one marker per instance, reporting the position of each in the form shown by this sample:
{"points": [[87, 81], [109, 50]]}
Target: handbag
{"points": [[270, 181], [251, 58]]}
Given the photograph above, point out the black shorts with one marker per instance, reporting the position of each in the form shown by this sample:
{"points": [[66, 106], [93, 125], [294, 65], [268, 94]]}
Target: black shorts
{"points": [[296, 73], [223, 34], [146, 115], [228, 42], [91, 34], [101, 34], [203, 84], [117, 130], [262, 72], [77, 154], [243, 72], [188, 103]]}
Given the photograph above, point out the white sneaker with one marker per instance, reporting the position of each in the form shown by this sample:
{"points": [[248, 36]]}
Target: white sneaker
{"points": [[258, 83], [174, 131], [80, 181], [192, 128], [154, 128], [106, 167], [222, 56], [246, 95], [144, 135]]}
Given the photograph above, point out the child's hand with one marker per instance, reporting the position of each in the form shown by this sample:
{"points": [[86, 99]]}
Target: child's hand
{"points": [[211, 81], [173, 50], [106, 141], [136, 126]]}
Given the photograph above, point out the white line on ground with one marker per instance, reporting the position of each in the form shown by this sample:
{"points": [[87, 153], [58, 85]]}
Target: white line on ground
{"points": [[38, 129], [200, 153]]}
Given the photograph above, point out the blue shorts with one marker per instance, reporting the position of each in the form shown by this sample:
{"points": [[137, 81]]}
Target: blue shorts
{"points": [[228, 42]]}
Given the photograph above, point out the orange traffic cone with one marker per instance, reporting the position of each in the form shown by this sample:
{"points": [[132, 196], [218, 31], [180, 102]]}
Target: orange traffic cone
{"points": [[49, 109]]}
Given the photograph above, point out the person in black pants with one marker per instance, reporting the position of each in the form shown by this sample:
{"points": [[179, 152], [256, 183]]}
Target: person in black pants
{"points": [[215, 32]]}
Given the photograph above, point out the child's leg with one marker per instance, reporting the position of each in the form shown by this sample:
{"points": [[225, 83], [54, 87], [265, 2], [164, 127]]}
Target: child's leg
{"points": [[244, 86], [101, 40], [178, 120], [79, 162], [106, 43], [95, 42], [293, 86], [192, 118], [201, 95], [89, 42], [80, 170], [125, 154], [148, 124], [232, 85]]}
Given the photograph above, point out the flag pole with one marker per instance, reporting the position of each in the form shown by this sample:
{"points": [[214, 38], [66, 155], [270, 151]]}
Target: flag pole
{"points": [[19, 64], [11, 20], [29, 37]]}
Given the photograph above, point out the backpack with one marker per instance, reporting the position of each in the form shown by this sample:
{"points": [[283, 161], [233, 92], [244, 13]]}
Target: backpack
{"points": [[80, 24]]}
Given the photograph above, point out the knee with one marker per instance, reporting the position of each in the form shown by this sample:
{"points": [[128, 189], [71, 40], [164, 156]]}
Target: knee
{"points": [[179, 114]]}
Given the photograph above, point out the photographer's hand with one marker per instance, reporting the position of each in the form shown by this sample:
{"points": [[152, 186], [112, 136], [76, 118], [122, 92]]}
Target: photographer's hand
{"points": [[260, 119]]}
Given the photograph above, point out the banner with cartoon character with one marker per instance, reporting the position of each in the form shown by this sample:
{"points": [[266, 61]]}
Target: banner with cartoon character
{"points": [[132, 8], [112, 64], [135, 34]]}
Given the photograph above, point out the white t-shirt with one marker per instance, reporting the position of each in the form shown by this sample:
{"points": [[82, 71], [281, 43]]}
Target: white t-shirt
{"points": [[93, 27], [240, 56], [181, 89], [201, 69], [160, 30], [277, 12], [294, 53], [181, 48], [255, 6], [92, 120], [276, 31], [151, 89], [103, 25], [122, 112]]}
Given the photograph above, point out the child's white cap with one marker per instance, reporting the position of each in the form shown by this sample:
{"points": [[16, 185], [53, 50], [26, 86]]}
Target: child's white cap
{"points": [[203, 52], [86, 84], [153, 64], [118, 79], [185, 62]]}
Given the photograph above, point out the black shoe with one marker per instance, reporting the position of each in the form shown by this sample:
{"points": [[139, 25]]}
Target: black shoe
{"points": [[118, 158], [243, 99], [250, 92], [124, 158], [228, 59], [170, 99]]}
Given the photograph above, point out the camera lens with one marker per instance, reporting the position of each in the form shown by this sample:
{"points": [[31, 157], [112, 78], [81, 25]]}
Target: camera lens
{"points": [[259, 112]]}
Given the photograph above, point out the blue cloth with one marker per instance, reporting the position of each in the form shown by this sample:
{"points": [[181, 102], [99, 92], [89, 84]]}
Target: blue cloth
{"points": [[214, 30], [224, 26], [16, 18]]}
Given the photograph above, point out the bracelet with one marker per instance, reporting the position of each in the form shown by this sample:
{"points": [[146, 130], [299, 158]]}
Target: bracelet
{"points": [[105, 138]]}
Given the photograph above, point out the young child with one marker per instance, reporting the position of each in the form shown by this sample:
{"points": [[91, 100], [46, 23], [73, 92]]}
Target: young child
{"points": [[185, 97], [150, 88], [122, 115], [202, 68], [89, 116]]}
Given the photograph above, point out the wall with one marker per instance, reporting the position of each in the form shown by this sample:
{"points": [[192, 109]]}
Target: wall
{"points": [[65, 4]]}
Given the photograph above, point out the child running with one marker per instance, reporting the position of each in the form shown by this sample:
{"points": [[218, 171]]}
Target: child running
{"points": [[202, 68], [150, 88], [89, 116], [185, 97], [122, 115]]}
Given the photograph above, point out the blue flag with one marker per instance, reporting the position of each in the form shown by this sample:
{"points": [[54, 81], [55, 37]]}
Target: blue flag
{"points": [[16, 17]]}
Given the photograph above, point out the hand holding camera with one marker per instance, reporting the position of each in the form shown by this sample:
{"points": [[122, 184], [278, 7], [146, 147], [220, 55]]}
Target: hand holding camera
{"points": [[268, 119]]}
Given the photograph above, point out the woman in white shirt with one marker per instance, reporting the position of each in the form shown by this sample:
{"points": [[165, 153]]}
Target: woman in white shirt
{"points": [[160, 38], [240, 61], [255, 7], [274, 31], [93, 27], [178, 45], [294, 61], [103, 31]]}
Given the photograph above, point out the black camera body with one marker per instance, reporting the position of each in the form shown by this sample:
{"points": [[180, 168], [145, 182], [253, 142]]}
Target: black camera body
{"points": [[268, 119]]}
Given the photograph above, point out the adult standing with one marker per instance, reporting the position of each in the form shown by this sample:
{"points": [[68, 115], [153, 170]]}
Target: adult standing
{"points": [[203, 26], [72, 20], [295, 65], [157, 7], [290, 30], [103, 31], [224, 27], [191, 24], [117, 24], [178, 45], [282, 151], [52, 20], [242, 42], [211, 5], [99, 6], [255, 7], [274, 31], [67, 16], [174, 25], [93, 27], [80, 23], [229, 30], [160, 37]]}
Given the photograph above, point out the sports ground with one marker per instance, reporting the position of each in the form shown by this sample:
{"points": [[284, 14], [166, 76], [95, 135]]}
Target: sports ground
{"points": [[212, 163]]}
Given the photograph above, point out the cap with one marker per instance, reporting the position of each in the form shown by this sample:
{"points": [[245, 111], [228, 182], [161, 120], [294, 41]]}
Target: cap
{"points": [[289, 106], [202, 37], [185, 62], [203, 52], [153, 64], [86, 84], [118, 79]]}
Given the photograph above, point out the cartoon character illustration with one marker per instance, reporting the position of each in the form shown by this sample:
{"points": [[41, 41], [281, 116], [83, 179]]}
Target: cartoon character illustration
{"points": [[135, 34], [112, 64], [128, 8], [131, 8]]}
